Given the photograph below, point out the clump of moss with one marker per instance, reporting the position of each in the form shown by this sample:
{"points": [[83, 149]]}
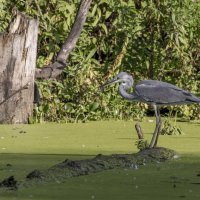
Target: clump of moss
{"points": [[142, 144], [169, 129], [10, 183]]}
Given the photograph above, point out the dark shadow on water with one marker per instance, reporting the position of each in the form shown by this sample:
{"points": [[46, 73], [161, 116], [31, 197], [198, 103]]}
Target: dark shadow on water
{"points": [[183, 138], [188, 121], [36, 154], [125, 138]]}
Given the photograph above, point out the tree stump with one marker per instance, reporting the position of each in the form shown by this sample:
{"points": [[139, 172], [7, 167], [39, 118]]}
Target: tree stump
{"points": [[18, 49]]}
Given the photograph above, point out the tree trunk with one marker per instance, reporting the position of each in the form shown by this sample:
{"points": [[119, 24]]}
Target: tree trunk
{"points": [[18, 47]]}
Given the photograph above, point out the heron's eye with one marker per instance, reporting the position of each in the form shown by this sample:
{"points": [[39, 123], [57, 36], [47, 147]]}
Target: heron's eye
{"points": [[123, 83]]}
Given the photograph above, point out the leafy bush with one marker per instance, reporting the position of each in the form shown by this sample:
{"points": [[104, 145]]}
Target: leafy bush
{"points": [[149, 39], [170, 129]]}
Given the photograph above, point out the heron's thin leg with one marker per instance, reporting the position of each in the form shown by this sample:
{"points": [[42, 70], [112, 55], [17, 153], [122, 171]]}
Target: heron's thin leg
{"points": [[159, 128], [156, 129]]}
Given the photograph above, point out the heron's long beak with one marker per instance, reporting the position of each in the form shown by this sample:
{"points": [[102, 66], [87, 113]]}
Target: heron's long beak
{"points": [[112, 81]]}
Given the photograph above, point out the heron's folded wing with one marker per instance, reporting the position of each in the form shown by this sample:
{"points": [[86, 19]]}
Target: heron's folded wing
{"points": [[161, 92]]}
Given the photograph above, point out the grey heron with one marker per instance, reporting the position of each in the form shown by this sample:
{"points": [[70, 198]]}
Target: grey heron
{"points": [[153, 92]]}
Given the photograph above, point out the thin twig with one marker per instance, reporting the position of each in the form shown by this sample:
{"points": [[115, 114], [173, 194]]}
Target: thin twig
{"points": [[40, 12]]}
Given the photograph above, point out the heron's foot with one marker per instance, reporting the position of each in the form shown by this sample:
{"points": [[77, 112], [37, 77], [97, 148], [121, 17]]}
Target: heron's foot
{"points": [[151, 147], [153, 143]]}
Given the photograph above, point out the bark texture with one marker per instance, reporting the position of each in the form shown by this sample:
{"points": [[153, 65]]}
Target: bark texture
{"points": [[18, 47], [139, 131]]}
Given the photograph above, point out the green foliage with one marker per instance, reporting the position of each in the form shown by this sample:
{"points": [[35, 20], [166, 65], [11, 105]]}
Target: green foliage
{"points": [[169, 129], [4, 17], [149, 39], [142, 144]]}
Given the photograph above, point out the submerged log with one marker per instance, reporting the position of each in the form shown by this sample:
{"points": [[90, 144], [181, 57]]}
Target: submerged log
{"points": [[18, 47], [73, 168]]}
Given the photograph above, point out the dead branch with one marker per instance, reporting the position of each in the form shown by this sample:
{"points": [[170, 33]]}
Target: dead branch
{"points": [[139, 131], [55, 69]]}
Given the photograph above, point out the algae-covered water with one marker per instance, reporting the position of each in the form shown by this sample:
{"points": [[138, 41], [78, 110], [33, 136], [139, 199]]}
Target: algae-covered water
{"points": [[24, 148]]}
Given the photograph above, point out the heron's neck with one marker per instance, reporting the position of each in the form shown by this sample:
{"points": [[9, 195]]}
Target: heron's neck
{"points": [[124, 94]]}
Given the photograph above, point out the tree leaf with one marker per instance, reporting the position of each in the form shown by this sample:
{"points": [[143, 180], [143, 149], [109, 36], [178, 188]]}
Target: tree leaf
{"points": [[174, 18], [94, 10], [104, 28], [90, 55], [94, 106]]}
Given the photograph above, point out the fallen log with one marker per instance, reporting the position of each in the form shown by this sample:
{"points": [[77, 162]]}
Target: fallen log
{"points": [[73, 168]]}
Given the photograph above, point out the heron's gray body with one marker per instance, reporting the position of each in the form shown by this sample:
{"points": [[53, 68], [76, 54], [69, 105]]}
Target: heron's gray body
{"points": [[156, 93], [162, 93]]}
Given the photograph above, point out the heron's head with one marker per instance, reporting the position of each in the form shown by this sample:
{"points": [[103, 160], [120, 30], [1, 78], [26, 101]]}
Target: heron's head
{"points": [[122, 77]]}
